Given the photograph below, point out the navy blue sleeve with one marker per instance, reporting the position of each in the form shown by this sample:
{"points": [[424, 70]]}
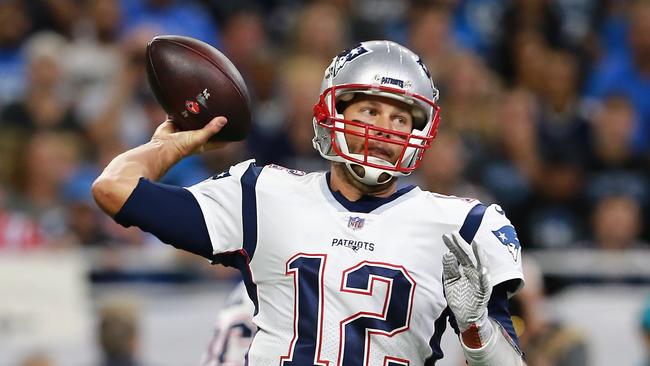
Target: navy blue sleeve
{"points": [[170, 213], [499, 311]]}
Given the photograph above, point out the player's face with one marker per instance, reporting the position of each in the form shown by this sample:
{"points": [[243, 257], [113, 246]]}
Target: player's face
{"points": [[380, 112]]}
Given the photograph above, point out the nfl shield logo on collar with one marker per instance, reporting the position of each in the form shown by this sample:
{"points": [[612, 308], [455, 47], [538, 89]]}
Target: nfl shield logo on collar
{"points": [[356, 223]]}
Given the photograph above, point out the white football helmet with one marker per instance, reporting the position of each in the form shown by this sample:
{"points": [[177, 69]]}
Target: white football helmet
{"points": [[381, 68]]}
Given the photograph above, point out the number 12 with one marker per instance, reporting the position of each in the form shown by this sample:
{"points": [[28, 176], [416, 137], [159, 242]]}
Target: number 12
{"points": [[356, 330]]}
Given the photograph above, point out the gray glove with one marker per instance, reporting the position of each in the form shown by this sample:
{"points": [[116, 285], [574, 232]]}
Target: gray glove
{"points": [[467, 287]]}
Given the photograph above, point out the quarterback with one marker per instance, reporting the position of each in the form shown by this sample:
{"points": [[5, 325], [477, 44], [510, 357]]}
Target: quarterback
{"points": [[343, 267]]}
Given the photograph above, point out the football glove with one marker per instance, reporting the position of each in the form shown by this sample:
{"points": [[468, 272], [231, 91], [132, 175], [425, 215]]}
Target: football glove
{"points": [[467, 289]]}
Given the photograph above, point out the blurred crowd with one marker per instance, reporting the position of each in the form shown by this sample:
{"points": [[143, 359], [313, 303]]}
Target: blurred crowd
{"points": [[545, 109], [545, 105]]}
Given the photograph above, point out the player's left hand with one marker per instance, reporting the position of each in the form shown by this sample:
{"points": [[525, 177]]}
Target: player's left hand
{"points": [[467, 287]]}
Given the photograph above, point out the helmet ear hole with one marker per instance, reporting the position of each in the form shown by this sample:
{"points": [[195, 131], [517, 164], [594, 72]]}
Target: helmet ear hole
{"points": [[340, 107], [359, 170], [384, 177], [419, 118], [343, 101]]}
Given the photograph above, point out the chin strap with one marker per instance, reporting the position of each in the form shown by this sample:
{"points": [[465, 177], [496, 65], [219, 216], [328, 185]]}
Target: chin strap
{"points": [[371, 176]]}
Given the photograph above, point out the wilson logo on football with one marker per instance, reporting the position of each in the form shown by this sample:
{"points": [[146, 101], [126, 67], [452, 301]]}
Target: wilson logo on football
{"points": [[192, 106]]}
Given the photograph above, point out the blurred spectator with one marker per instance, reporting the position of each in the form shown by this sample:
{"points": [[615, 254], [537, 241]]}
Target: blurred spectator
{"points": [[579, 20], [613, 29], [59, 16], [302, 79], [617, 223], [511, 164], [472, 94], [544, 340], [18, 231], [628, 74], [429, 37], [320, 32], [14, 25], [374, 19], [542, 194], [49, 160], [562, 128], [118, 334], [94, 56], [522, 23], [526, 65], [12, 144], [471, 100], [45, 106], [187, 18], [613, 166], [245, 43], [476, 25], [443, 167], [515, 129], [127, 111], [556, 210], [83, 219], [291, 145]]}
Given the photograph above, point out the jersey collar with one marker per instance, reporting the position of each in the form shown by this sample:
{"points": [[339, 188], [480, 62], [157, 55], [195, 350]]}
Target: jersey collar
{"points": [[366, 204]]}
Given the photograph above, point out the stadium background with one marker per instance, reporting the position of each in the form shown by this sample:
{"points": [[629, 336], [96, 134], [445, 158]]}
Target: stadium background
{"points": [[545, 110]]}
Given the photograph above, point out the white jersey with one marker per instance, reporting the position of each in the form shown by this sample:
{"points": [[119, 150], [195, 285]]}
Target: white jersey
{"points": [[233, 331], [351, 286]]}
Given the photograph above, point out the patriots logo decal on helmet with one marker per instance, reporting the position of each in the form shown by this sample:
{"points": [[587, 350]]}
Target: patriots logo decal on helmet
{"points": [[346, 56]]}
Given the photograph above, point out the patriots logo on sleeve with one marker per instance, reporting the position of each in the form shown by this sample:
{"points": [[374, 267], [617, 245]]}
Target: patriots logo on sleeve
{"points": [[508, 237]]}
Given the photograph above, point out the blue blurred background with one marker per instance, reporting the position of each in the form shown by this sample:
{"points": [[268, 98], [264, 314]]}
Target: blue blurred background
{"points": [[545, 110]]}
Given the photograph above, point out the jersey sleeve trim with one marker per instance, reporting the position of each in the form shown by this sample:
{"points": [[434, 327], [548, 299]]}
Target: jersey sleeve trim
{"points": [[472, 222], [249, 209], [515, 281], [499, 311]]}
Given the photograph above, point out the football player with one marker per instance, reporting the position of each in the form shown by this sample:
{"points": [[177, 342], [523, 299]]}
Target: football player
{"points": [[342, 266], [233, 331]]}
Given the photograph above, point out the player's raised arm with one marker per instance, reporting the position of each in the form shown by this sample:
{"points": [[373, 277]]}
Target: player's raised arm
{"points": [[468, 289], [151, 160]]}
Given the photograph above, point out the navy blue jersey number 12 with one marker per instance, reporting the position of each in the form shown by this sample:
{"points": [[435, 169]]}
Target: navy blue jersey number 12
{"points": [[355, 330]]}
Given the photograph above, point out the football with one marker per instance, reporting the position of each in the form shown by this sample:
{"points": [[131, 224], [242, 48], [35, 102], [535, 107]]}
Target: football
{"points": [[194, 82]]}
